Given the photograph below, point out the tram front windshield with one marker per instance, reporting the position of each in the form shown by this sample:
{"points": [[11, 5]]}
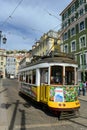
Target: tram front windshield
{"points": [[57, 75]]}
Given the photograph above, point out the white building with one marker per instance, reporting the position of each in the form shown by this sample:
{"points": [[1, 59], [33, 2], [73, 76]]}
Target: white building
{"points": [[11, 66]]}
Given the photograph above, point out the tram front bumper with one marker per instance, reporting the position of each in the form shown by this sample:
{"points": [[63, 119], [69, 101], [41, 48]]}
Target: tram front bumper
{"points": [[64, 106]]}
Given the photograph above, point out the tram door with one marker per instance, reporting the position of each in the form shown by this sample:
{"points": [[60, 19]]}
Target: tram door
{"points": [[44, 84]]}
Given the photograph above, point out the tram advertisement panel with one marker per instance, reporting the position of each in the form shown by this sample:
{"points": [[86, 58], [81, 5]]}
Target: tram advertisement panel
{"points": [[29, 89], [63, 94], [59, 96]]}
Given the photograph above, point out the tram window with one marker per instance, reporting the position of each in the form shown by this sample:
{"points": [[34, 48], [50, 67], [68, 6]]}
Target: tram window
{"points": [[34, 77], [26, 78], [20, 78], [30, 79], [44, 75], [69, 75], [56, 74]]}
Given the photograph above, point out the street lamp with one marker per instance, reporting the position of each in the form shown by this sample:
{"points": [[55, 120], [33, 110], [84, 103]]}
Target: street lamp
{"points": [[3, 38]]}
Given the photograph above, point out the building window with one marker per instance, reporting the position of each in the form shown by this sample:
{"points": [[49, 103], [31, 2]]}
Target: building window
{"points": [[72, 8], [65, 24], [81, 2], [82, 41], [1, 63], [73, 46], [66, 48], [82, 26], [83, 60], [1, 57], [72, 19], [66, 15], [65, 36], [73, 31], [81, 12]]}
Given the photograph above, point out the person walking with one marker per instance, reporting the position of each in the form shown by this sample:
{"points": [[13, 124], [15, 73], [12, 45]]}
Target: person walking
{"points": [[86, 85], [84, 88], [80, 88]]}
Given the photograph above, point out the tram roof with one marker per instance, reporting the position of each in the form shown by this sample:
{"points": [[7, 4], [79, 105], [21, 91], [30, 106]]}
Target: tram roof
{"points": [[58, 58]]}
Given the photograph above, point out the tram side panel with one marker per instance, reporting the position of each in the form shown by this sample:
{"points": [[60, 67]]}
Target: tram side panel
{"points": [[64, 98], [38, 93], [44, 93], [30, 90]]}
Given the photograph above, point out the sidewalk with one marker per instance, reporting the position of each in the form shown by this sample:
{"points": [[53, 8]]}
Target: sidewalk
{"points": [[3, 114], [81, 97]]}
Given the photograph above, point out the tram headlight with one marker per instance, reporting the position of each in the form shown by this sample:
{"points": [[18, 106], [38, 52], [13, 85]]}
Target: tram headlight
{"points": [[77, 103], [62, 104]]}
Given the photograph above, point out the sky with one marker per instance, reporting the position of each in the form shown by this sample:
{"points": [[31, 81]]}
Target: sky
{"points": [[23, 22]]}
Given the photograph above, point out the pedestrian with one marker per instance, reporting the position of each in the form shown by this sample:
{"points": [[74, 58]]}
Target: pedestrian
{"points": [[84, 88], [86, 85], [80, 88]]}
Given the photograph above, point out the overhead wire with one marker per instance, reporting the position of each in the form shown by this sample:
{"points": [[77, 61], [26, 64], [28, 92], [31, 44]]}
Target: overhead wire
{"points": [[10, 16], [33, 29], [52, 15]]}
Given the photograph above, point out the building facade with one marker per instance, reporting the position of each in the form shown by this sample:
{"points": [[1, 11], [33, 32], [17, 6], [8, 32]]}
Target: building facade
{"points": [[2, 62], [10, 66], [12, 63], [46, 44], [74, 34]]}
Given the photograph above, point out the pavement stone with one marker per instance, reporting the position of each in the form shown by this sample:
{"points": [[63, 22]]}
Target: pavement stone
{"points": [[81, 97], [3, 115]]}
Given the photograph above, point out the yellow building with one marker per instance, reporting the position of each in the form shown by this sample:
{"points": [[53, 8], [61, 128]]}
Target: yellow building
{"points": [[2, 62], [48, 42]]}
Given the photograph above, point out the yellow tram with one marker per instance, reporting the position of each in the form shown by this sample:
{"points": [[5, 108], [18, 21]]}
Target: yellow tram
{"points": [[52, 80]]}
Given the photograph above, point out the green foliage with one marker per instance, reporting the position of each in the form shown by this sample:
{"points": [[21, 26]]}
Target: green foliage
{"points": [[16, 51]]}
